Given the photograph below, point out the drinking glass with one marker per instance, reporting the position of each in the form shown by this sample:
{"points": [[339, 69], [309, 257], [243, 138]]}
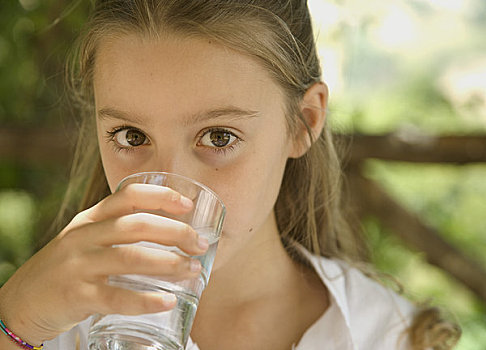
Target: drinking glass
{"points": [[167, 330]]}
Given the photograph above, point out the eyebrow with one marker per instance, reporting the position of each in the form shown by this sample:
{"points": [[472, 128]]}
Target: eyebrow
{"points": [[113, 113], [229, 112]]}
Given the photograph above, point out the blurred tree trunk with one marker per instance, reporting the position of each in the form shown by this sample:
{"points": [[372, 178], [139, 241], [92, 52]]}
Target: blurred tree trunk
{"points": [[371, 199]]}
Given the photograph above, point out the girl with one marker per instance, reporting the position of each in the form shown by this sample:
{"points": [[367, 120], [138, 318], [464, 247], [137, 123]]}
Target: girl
{"points": [[229, 93]]}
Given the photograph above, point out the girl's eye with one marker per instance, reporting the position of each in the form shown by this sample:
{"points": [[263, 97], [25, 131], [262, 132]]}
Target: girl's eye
{"points": [[129, 137], [218, 138]]}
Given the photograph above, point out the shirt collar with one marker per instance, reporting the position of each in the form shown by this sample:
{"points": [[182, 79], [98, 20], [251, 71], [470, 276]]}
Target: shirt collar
{"points": [[335, 322]]}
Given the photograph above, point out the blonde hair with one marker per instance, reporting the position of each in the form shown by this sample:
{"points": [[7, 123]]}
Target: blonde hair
{"points": [[309, 208]]}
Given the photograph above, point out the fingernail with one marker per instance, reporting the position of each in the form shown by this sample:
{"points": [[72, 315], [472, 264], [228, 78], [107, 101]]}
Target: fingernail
{"points": [[186, 202], [202, 243], [195, 265]]}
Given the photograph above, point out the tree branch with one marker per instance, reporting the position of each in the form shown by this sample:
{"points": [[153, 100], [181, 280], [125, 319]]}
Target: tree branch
{"points": [[415, 148], [371, 198]]}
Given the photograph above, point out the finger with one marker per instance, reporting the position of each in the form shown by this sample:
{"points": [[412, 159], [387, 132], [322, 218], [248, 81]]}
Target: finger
{"points": [[114, 300], [147, 227], [132, 259], [137, 197]]}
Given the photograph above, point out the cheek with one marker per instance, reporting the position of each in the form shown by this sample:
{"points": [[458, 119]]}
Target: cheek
{"points": [[249, 194], [249, 191]]}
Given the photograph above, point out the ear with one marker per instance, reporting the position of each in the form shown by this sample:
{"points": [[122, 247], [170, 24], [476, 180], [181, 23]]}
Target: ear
{"points": [[313, 111]]}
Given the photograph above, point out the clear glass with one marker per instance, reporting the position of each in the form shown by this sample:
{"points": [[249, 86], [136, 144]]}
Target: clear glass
{"points": [[167, 330]]}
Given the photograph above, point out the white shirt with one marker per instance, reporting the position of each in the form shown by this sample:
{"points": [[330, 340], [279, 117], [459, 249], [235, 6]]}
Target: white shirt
{"points": [[363, 315]]}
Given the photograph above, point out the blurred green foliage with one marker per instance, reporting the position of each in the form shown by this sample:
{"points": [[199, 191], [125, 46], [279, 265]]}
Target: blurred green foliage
{"points": [[17, 213], [382, 90], [35, 37]]}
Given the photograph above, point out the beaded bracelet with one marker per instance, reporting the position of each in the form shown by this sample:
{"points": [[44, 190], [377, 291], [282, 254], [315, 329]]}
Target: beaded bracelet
{"points": [[17, 339]]}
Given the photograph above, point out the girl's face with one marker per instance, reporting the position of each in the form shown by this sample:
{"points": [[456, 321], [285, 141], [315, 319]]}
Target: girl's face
{"points": [[195, 108]]}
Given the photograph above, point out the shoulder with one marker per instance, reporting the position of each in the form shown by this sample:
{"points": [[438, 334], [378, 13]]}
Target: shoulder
{"points": [[375, 316]]}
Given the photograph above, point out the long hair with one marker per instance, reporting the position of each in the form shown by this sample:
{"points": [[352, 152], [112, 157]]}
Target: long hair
{"points": [[277, 34]]}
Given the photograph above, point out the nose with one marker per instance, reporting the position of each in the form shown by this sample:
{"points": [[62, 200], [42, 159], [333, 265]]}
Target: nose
{"points": [[177, 163]]}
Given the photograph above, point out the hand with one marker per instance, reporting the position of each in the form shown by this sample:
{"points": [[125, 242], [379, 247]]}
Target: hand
{"points": [[66, 281]]}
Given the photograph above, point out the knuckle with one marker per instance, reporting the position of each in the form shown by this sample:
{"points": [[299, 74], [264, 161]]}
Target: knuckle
{"points": [[134, 223], [187, 233], [69, 253], [129, 191], [173, 196], [130, 255], [150, 303], [131, 194], [73, 263], [106, 300], [85, 294], [172, 266], [80, 217]]}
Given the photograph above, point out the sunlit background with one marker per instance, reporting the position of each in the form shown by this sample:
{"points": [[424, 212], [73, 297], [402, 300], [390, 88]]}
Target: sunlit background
{"points": [[414, 68]]}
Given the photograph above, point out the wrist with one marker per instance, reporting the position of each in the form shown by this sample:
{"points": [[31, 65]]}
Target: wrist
{"points": [[6, 343], [13, 321], [16, 339]]}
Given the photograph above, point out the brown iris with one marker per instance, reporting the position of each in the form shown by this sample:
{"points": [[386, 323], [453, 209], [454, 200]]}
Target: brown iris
{"points": [[220, 138], [135, 138]]}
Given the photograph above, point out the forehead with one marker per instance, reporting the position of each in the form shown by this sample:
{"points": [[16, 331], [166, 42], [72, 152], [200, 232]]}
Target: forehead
{"points": [[176, 72]]}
